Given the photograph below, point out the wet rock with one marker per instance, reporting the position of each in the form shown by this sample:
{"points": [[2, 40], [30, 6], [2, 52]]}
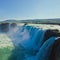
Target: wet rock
{"points": [[4, 27], [50, 33], [55, 54]]}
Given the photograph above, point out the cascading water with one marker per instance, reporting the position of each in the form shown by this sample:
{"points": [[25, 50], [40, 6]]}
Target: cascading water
{"points": [[45, 49], [28, 43], [27, 36]]}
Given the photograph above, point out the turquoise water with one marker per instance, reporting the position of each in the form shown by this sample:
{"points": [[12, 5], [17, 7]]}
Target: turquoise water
{"points": [[25, 43]]}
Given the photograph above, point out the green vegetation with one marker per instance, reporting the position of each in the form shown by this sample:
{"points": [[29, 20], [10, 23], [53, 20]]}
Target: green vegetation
{"points": [[6, 47], [5, 53]]}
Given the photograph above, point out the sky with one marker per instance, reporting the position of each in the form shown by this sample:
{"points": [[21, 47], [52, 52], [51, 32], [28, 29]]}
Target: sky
{"points": [[29, 9]]}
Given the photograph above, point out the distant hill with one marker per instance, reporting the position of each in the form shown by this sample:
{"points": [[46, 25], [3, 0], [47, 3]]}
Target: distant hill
{"points": [[36, 21]]}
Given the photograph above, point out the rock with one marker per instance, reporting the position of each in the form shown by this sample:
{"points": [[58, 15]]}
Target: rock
{"points": [[55, 54], [50, 33], [4, 27]]}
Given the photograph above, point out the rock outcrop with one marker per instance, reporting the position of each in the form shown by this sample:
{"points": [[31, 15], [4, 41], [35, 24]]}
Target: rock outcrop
{"points": [[55, 54], [50, 33], [4, 27]]}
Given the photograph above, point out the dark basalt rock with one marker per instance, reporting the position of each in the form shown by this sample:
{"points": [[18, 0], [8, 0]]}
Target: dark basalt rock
{"points": [[4, 27], [55, 54], [50, 33]]}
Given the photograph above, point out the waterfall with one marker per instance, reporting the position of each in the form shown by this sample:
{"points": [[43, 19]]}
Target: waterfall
{"points": [[31, 39], [28, 36], [45, 49]]}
